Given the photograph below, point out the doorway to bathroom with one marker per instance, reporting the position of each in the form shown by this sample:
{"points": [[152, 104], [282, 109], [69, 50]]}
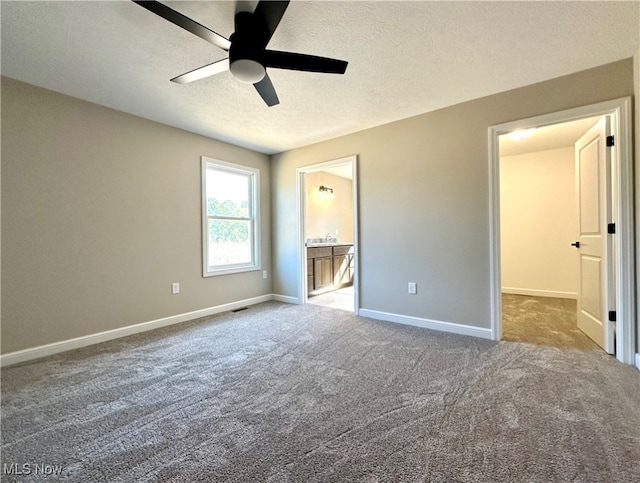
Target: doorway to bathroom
{"points": [[328, 234]]}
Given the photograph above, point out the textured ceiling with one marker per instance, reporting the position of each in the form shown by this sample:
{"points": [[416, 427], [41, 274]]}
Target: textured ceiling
{"points": [[405, 58]]}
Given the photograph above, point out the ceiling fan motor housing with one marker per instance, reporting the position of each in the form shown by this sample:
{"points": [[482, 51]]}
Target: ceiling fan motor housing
{"points": [[247, 45]]}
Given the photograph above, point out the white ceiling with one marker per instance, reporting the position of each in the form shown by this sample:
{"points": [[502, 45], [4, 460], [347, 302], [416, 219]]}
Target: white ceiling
{"points": [[345, 171], [405, 58], [548, 137]]}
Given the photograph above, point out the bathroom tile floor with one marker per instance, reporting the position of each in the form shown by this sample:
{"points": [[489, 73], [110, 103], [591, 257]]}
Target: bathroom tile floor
{"points": [[338, 299]]}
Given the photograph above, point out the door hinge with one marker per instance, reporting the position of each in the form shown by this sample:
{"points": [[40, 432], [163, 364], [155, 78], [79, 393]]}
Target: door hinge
{"points": [[611, 228], [612, 316], [611, 141]]}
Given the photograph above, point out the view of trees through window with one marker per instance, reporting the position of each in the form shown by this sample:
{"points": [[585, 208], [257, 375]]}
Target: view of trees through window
{"points": [[233, 231], [229, 238], [230, 217]]}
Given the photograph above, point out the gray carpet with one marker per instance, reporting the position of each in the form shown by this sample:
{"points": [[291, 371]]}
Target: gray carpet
{"points": [[543, 321], [284, 393]]}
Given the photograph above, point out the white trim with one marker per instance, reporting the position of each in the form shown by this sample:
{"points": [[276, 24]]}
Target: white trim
{"points": [[620, 112], [91, 339], [539, 293], [285, 299], [253, 175], [625, 303], [495, 276], [638, 361], [300, 210], [428, 323]]}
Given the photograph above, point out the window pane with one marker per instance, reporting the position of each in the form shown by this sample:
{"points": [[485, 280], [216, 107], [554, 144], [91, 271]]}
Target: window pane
{"points": [[231, 223], [227, 193], [229, 242]]}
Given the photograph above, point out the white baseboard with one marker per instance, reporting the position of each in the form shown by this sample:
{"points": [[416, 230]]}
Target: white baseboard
{"points": [[427, 323], [539, 293], [87, 340], [286, 299], [638, 361], [78, 342]]}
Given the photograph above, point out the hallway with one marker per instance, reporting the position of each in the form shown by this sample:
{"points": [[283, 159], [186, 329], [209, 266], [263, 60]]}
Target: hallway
{"points": [[543, 321]]}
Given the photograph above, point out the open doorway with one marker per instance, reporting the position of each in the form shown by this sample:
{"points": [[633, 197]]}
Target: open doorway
{"points": [[539, 222], [613, 302], [327, 207]]}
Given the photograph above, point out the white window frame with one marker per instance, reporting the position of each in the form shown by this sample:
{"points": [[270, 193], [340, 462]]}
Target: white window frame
{"points": [[253, 176]]}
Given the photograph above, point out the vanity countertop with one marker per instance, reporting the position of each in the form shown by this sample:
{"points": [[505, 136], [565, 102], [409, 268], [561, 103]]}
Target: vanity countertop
{"points": [[329, 244]]}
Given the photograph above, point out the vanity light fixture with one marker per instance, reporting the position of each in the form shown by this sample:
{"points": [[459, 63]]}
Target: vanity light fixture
{"points": [[325, 192]]}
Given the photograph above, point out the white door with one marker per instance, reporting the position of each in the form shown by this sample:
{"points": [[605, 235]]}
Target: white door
{"points": [[593, 185]]}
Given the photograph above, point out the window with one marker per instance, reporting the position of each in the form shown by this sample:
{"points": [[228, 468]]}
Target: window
{"points": [[230, 221]]}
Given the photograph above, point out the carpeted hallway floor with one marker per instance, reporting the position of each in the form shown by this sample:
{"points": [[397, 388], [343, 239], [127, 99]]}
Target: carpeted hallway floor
{"points": [[543, 321], [286, 393]]}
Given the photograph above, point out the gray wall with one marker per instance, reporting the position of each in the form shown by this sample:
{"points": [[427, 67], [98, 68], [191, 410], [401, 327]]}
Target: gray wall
{"points": [[100, 213], [101, 210], [424, 199]]}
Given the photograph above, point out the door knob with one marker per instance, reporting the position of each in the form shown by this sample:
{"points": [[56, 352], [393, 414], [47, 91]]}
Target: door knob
{"points": [[576, 244]]}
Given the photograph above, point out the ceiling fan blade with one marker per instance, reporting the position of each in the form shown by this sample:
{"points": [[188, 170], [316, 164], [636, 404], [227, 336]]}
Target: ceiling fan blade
{"points": [[186, 23], [245, 6], [267, 91], [271, 12], [202, 72], [308, 63]]}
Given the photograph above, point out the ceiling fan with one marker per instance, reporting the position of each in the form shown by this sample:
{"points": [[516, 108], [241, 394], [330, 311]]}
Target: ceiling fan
{"points": [[247, 46]]}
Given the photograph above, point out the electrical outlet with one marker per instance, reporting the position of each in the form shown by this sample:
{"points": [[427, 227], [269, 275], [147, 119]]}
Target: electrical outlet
{"points": [[264, 274], [175, 288], [413, 288]]}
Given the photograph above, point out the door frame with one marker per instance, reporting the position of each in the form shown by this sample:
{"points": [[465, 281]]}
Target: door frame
{"points": [[619, 111], [300, 208]]}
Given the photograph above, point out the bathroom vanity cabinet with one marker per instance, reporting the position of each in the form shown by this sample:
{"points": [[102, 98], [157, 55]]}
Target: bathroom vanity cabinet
{"points": [[329, 267]]}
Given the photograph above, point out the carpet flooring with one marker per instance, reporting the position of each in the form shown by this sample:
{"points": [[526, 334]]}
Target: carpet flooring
{"points": [[286, 393], [543, 321]]}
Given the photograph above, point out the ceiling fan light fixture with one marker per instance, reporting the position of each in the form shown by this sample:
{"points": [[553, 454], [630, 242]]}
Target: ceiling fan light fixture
{"points": [[247, 70], [248, 57]]}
